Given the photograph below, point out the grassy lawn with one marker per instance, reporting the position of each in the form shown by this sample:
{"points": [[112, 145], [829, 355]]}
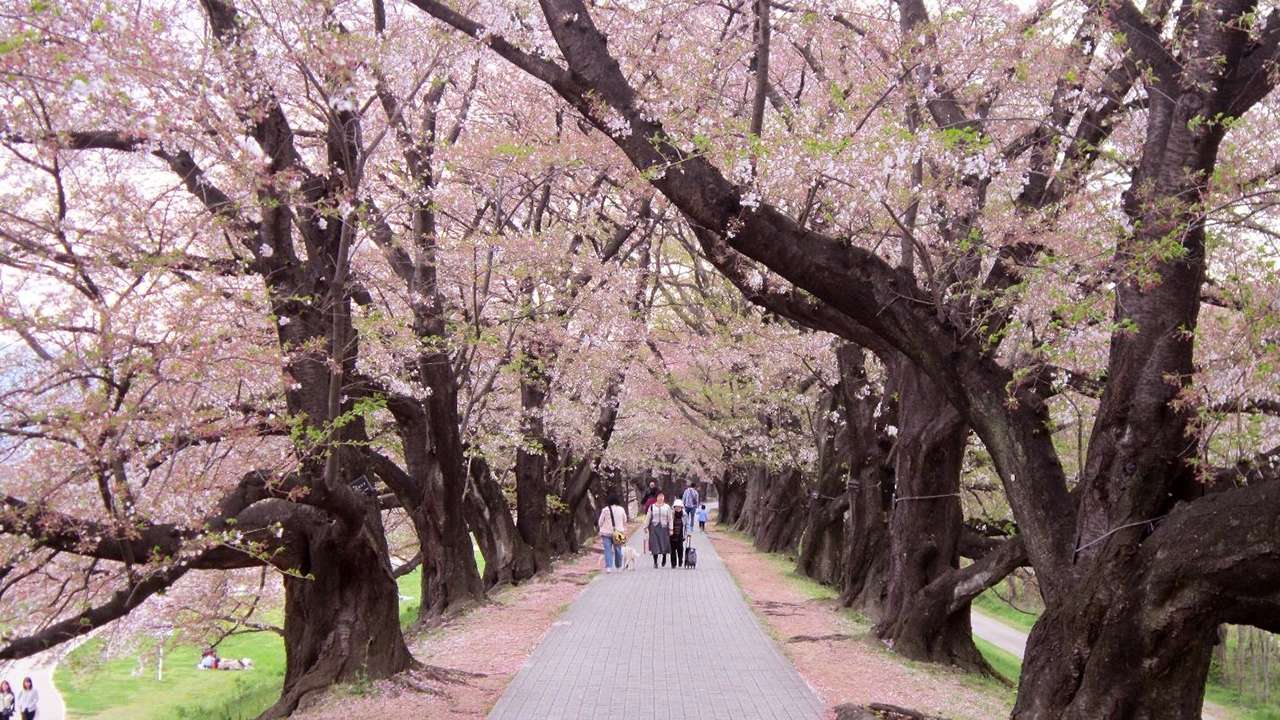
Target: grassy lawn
{"points": [[110, 690], [991, 604], [1242, 707], [1005, 663]]}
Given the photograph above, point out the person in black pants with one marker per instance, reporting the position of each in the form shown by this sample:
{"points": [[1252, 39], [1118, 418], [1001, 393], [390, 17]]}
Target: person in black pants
{"points": [[677, 534]]}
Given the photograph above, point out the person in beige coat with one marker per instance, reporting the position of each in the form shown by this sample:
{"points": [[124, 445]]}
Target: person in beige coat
{"points": [[612, 520]]}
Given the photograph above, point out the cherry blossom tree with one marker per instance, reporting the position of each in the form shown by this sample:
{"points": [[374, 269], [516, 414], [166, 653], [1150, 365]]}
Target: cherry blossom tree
{"points": [[1109, 555]]}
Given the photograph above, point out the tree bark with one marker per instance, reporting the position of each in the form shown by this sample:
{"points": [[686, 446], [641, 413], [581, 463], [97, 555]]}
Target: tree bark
{"points": [[732, 493], [507, 557], [1078, 652], [755, 489], [924, 532], [342, 617], [531, 469], [868, 412], [780, 520], [822, 545]]}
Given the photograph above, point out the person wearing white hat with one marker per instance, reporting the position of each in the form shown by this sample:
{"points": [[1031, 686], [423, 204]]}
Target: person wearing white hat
{"points": [[677, 534]]}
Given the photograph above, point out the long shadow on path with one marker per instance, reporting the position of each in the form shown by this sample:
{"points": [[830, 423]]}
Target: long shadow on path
{"points": [[670, 644]]}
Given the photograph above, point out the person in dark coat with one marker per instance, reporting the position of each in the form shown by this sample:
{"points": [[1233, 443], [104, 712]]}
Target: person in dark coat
{"points": [[649, 496], [678, 531]]}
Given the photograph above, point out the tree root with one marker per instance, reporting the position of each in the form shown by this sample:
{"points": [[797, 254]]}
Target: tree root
{"points": [[818, 638], [769, 607], [439, 674], [879, 711]]}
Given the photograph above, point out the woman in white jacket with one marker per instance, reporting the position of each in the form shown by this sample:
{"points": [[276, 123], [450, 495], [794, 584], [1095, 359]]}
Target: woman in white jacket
{"points": [[28, 699], [659, 517], [612, 525]]}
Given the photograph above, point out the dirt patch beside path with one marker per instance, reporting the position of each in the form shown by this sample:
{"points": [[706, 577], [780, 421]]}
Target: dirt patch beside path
{"points": [[470, 659], [835, 653]]}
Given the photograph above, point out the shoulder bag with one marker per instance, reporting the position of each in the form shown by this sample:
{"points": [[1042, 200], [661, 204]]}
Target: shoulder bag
{"points": [[619, 537]]}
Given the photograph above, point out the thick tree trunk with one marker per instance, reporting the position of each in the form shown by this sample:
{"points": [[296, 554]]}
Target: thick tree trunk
{"points": [[780, 521], [578, 523], [443, 585], [450, 579], [866, 558], [1124, 642], [755, 492], [1099, 658], [507, 557], [868, 413], [731, 490], [532, 517], [822, 547], [924, 532], [342, 618]]}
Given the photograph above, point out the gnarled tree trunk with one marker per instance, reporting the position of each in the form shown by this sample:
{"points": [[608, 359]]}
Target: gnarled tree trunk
{"points": [[342, 616], [507, 557], [731, 490], [780, 519], [531, 469], [924, 532], [868, 413]]}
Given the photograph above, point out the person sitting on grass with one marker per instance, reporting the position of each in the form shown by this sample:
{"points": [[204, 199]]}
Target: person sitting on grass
{"points": [[208, 660]]}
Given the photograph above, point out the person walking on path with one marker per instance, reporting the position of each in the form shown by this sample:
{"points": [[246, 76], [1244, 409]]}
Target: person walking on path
{"points": [[702, 518], [612, 525], [659, 523], [678, 532], [691, 501], [6, 701], [650, 496], [28, 699]]}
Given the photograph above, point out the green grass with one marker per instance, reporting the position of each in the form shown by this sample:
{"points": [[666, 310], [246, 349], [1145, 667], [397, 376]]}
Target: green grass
{"points": [[1005, 663], [1242, 707], [991, 604], [109, 690], [96, 689]]}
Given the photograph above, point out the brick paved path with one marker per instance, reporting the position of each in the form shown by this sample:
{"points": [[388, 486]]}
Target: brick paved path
{"points": [[659, 644]]}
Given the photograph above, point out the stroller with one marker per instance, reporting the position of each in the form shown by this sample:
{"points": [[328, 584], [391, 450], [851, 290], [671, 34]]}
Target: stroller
{"points": [[690, 553]]}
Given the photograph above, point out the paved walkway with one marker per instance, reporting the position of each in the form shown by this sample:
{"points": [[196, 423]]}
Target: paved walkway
{"points": [[40, 670], [616, 653]]}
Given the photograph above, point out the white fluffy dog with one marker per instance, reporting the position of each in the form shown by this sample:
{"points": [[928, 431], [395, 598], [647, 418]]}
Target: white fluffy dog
{"points": [[629, 556]]}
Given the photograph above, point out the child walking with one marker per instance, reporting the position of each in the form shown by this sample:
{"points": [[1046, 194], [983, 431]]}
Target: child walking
{"points": [[702, 517]]}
